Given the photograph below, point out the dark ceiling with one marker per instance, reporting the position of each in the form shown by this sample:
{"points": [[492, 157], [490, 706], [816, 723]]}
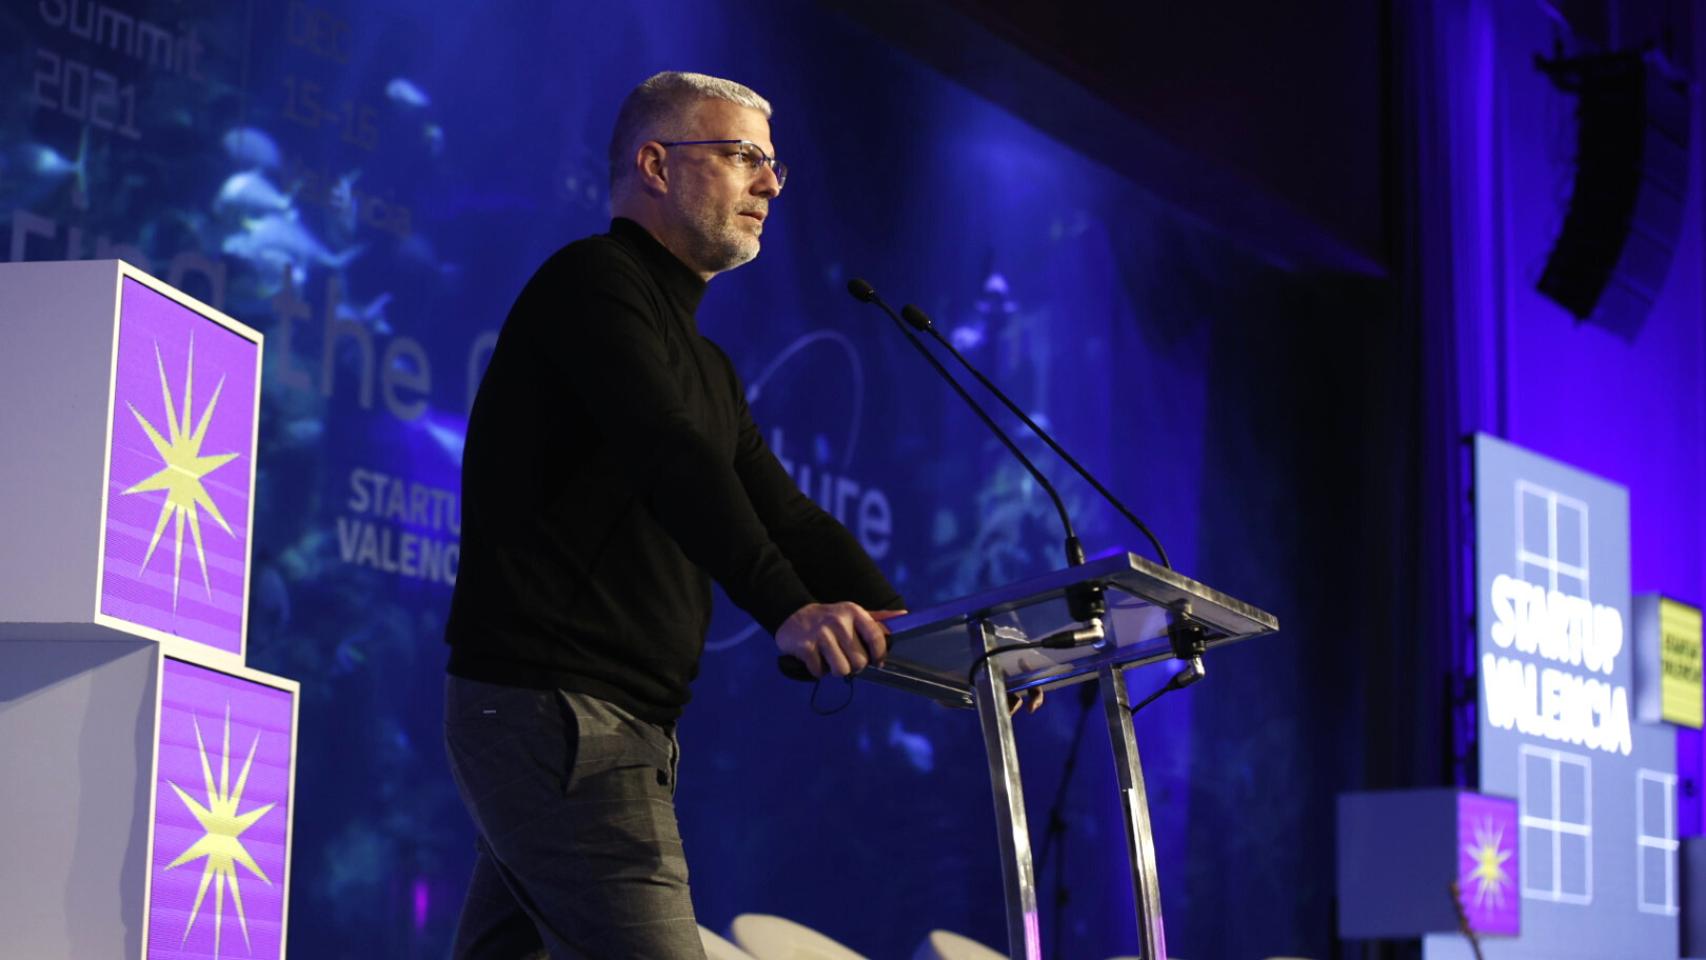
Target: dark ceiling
{"points": [[1289, 96], [1266, 119]]}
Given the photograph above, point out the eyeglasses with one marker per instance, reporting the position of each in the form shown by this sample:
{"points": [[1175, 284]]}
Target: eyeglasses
{"points": [[749, 156]]}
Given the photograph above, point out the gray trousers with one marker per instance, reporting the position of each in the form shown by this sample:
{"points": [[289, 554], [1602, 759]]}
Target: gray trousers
{"points": [[579, 856]]}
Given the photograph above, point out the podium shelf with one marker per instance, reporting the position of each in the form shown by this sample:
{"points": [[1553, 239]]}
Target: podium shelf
{"points": [[931, 651]]}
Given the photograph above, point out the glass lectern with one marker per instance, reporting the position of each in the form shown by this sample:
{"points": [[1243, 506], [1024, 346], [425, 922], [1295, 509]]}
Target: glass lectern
{"points": [[1084, 623]]}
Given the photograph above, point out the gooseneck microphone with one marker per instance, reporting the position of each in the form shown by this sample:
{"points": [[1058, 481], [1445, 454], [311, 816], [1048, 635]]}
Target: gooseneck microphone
{"points": [[917, 319], [1091, 605], [865, 293]]}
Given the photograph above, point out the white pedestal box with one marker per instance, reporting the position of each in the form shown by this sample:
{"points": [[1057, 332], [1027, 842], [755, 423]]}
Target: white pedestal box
{"points": [[129, 413], [133, 781], [147, 771]]}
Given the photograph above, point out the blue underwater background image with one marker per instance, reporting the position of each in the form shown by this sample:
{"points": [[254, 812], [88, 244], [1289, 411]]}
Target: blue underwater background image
{"points": [[371, 184]]}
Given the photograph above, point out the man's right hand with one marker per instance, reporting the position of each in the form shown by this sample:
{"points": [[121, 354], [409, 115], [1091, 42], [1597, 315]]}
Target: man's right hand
{"points": [[842, 638]]}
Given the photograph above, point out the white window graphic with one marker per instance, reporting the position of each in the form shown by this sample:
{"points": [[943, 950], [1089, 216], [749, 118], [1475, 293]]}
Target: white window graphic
{"points": [[1551, 539], [1555, 797], [1655, 842]]}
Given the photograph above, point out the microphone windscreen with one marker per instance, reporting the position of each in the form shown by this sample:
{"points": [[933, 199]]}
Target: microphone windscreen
{"points": [[915, 317], [861, 291]]}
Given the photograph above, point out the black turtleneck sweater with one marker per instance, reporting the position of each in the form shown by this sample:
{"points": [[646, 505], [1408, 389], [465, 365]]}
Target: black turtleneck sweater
{"points": [[611, 470]]}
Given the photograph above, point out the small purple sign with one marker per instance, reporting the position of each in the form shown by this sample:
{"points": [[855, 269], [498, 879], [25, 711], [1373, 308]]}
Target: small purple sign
{"points": [[1487, 880], [177, 537], [221, 811]]}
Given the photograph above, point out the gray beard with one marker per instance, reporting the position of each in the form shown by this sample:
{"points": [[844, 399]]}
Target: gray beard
{"points": [[716, 247]]}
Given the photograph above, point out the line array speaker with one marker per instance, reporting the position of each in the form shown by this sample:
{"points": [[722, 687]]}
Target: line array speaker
{"points": [[1626, 205]]}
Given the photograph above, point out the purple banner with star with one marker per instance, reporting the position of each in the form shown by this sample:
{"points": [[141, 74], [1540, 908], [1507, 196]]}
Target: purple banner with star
{"points": [[221, 813], [1487, 880], [177, 535]]}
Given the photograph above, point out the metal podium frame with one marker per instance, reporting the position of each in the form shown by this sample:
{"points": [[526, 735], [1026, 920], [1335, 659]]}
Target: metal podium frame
{"points": [[932, 653]]}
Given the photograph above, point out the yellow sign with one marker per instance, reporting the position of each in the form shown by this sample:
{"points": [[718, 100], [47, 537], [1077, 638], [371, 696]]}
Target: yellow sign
{"points": [[1679, 663]]}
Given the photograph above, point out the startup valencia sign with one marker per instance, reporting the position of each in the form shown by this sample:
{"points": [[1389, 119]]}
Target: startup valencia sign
{"points": [[1552, 651], [1595, 787], [1550, 669]]}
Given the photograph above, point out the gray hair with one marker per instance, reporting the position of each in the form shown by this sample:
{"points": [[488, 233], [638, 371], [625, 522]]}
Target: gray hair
{"points": [[655, 109]]}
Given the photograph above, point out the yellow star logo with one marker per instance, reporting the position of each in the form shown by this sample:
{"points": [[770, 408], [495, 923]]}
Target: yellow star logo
{"points": [[181, 477], [1489, 856], [223, 825]]}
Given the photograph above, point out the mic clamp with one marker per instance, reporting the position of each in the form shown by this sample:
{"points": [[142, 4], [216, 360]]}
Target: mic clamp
{"points": [[1087, 602], [1187, 637], [1189, 642]]}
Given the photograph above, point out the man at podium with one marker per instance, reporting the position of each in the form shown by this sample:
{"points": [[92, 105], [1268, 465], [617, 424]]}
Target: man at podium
{"points": [[612, 470]]}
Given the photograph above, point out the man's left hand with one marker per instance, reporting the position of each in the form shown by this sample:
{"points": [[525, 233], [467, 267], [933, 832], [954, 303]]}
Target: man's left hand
{"points": [[1017, 700]]}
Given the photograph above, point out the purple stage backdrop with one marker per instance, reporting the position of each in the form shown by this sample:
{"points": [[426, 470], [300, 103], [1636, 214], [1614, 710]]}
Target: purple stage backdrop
{"points": [[1487, 864], [177, 536], [222, 808]]}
